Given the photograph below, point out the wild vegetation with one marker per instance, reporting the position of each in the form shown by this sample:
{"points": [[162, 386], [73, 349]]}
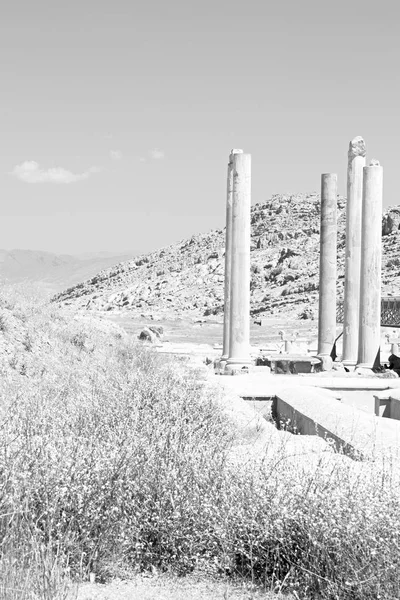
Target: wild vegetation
{"points": [[114, 460]]}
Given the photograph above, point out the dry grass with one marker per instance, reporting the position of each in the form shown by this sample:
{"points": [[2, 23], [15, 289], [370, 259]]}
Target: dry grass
{"points": [[116, 461]]}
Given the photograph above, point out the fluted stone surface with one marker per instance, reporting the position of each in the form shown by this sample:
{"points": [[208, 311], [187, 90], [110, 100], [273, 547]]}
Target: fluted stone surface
{"points": [[327, 265], [356, 163], [228, 258], [371, 257], [239, 330]]}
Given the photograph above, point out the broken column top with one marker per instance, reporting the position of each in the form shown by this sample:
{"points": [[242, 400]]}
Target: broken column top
{"points": [[356, 147], [236, 151], [374, 163]]}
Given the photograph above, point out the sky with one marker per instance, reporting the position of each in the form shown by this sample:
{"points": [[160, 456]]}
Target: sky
{"points": [[117, 117]]}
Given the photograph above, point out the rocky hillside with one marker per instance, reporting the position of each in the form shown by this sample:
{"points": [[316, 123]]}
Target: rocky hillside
{"points": [[186, 279]]}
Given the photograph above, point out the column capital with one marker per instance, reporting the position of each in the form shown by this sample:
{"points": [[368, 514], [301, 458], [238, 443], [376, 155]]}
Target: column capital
{"points": [[351, 305], [236, 151], [233, 152], [356, 148]]}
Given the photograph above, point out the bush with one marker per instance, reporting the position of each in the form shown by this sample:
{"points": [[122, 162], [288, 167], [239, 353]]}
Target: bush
{"points": [[307, 313], [113, 458], [328, 534], [113, 455]]}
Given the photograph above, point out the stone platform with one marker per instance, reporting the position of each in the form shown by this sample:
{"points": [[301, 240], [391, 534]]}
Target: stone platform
{"points": [[359, 434], [312, 404], [259, 384]]}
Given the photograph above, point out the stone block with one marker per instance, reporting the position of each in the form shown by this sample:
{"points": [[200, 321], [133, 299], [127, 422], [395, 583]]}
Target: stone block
{"points": [[292, 364], [317, 412], [387, 404], [395, 408]]}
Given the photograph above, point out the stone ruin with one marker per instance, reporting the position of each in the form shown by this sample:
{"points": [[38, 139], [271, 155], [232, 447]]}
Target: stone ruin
{"points": [[362, 290]]}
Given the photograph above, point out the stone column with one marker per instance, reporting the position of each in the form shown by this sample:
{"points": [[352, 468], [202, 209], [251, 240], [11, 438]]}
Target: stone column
{"points": [[371, 256], [239, 330], [327, 269], [356, 163], [288, 346], [228, 261]]}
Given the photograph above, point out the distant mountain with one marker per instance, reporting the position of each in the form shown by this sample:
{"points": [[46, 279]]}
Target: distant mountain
{"points": [[53, 272], [103, 254], [187, 278]]}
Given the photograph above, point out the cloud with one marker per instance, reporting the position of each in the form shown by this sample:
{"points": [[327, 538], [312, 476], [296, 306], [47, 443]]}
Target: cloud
{"points": [[115, 154], [157, 154], [30, 172]]}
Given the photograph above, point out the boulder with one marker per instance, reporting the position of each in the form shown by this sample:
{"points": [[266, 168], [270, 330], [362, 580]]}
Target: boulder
{"points": [[390, 222], [158, 330], [146, 335]]}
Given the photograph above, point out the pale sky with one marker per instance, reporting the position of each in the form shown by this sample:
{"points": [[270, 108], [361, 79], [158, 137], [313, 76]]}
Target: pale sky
{"points": [[117, 117]]}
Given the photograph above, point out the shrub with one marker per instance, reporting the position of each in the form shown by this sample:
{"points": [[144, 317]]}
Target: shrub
{"points": [[326, 534], [116, 458], [113, 455], [307, 313]]}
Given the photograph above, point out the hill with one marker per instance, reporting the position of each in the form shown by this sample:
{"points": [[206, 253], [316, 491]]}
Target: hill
{"points": [[53, 272], [186, 279]]}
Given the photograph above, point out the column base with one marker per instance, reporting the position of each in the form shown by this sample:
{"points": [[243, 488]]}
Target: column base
{"points": [[326, 362], [364, 367], [349, 364], [237, 366], [222, 364], [219, 365], [237, 370]]}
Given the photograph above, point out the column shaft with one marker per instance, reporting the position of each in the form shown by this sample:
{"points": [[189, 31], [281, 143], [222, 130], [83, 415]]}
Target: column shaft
{"points": [[371, 256], [239, 331], [356, 163], [327, 265], [228, 259]]}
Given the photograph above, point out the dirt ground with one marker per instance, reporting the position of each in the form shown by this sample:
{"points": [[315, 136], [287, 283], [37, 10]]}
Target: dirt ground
{"points": [[173, 588], [209, 330]]}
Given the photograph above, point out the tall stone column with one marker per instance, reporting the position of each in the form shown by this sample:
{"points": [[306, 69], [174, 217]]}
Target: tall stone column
{"points": [[371, 256], [356, 163], [228, 261], [239, 330], [327, 269]]}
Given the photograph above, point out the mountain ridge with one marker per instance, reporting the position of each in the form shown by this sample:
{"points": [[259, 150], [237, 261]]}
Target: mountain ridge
{"points": [[53, 272]]}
